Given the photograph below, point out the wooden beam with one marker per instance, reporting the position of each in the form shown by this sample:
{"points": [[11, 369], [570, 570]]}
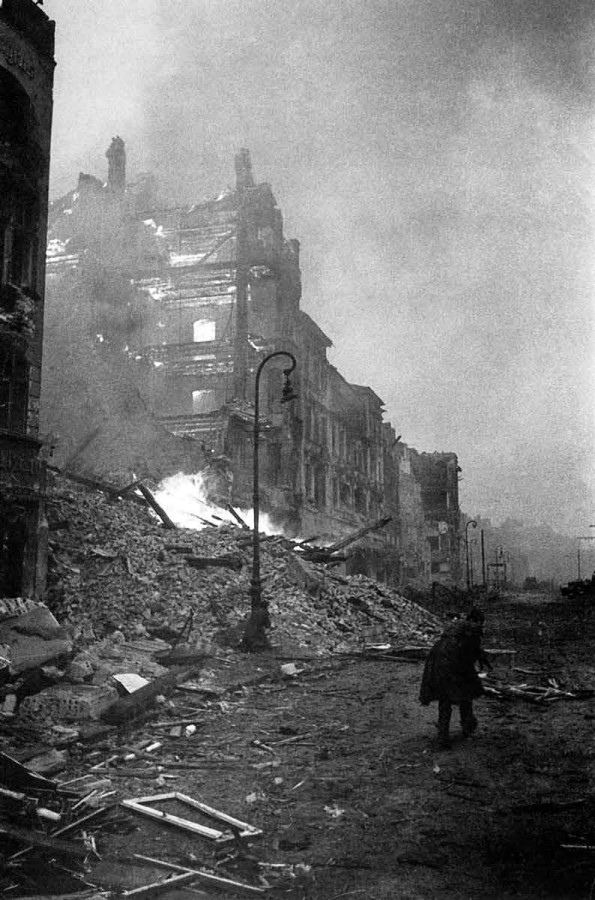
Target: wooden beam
{"points": [[238, 517], [215, 880], [244, 828], [169, 819], [158, 887], [155, 506]]}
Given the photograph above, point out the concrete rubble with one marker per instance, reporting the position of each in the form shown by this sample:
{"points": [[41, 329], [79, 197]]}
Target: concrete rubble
{"points": [[116, 573], [84, 667], [121, 594]]}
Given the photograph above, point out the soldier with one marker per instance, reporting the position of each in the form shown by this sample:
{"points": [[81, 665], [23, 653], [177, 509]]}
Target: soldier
{"points": [[450, 675]]}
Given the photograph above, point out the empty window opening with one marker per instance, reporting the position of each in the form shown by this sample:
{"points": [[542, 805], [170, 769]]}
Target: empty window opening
{"points": [[204, 402], [204, 330]]}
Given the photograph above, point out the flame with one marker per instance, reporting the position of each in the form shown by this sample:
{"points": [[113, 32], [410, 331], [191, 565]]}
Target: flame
{"points": [[185, 499]]}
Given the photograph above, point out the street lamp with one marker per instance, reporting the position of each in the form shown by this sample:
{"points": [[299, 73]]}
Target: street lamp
{"points": [[254, 636], [474, 524]]}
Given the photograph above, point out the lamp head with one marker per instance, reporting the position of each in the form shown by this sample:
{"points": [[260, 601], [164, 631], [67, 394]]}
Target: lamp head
{"points": [[288, 391]]}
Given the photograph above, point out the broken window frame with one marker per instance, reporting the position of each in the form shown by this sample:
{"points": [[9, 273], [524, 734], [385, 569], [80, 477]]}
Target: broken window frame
{"points": [[143, 806]]}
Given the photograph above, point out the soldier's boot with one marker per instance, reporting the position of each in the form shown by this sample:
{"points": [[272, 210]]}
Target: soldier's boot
{"points": [[444, 714], [468, 720]]}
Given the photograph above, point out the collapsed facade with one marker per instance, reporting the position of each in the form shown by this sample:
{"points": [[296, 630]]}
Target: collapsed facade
{"points": [[212, 289], [26, 84]]}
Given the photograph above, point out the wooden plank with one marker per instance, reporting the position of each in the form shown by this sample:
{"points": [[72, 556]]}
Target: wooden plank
{"points": [[155, 506], [66, 828], [215, 880], [111, 489], [159, 887], [47, 843], [246, 829], [222, 562], [238, 517], [170, 819]]}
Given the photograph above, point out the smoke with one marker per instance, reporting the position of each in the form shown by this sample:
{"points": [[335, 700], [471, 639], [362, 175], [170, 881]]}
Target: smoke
{"points": [[436, 161]]}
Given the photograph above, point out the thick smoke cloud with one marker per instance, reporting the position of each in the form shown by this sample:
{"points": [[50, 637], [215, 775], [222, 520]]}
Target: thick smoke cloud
{"points": [[436, 161]]}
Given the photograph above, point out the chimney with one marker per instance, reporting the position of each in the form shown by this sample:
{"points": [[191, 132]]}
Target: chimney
{"points": [[116, 161], [244, 177]]}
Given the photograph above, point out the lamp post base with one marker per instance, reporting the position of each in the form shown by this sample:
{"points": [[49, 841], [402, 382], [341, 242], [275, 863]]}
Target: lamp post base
{"points": [[255, 637]]}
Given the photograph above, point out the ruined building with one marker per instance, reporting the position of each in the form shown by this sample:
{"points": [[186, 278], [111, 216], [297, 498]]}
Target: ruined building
{"points": [[202, 294], [95, 409], [438, 476], [26, 84]]}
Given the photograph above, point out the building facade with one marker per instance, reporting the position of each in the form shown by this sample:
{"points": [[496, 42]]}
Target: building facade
{"points": [[438, 477], [26, 85], [204, 294]]}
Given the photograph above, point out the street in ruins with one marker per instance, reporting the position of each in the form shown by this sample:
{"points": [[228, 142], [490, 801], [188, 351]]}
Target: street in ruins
{"points": [[297, 529], [318, 749]]}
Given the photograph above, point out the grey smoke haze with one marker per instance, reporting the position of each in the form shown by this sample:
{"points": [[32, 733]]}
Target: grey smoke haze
{"points": [[436, 161]]}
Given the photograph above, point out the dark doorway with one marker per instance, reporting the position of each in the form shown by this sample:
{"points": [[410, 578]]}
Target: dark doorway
{"points": [[13, 537]]}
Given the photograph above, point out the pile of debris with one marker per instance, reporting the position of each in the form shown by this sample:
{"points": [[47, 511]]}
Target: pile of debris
{"points": [[57, 833], [115, 568]]}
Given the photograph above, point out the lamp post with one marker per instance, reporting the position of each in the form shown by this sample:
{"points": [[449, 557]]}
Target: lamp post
{"points": [[474, 524], [254, 636]]}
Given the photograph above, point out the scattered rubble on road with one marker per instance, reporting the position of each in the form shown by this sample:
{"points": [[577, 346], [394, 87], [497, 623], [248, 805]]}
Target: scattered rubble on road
{"points": [[112, 677], [535, 693]]}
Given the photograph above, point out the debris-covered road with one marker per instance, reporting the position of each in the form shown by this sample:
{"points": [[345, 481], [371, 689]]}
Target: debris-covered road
{"points": [[317, 764]]}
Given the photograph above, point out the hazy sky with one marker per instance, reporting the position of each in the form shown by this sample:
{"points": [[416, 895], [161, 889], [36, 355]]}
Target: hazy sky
{"points": [[436, 160]]}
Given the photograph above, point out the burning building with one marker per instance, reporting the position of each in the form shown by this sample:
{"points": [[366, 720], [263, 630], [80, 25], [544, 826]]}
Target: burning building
{"points": [[26, 85], [228, 296], [202, 295]]}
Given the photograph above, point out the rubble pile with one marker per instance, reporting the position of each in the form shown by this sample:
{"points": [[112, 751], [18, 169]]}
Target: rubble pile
{"points": [[114, 568]]}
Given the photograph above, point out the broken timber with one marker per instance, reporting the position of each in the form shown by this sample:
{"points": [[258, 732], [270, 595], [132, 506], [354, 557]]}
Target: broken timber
{"points": [[37, 839], [126, 707], [111, 490], [159, 887], [238, 828], [215, 880], [221, 562], [238, 517], [321, 554], [154, 505], [74, 826]]}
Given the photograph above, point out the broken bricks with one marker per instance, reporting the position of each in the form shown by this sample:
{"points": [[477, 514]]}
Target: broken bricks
{"points": [[68, 703]]}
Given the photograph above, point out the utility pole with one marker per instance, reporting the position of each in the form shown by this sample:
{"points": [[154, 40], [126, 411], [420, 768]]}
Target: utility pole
{"points": [[483, 560]]}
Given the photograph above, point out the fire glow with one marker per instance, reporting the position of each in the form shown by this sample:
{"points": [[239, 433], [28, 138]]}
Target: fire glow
{"points": [[185, 499]]}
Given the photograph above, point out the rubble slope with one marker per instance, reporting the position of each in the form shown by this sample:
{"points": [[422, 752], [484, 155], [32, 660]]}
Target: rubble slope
{"points": [[113, 566]]}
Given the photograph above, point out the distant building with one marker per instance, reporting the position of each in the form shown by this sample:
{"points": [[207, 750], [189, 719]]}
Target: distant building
{"points": [[411, 557], [26, 84], [438, 476]]}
